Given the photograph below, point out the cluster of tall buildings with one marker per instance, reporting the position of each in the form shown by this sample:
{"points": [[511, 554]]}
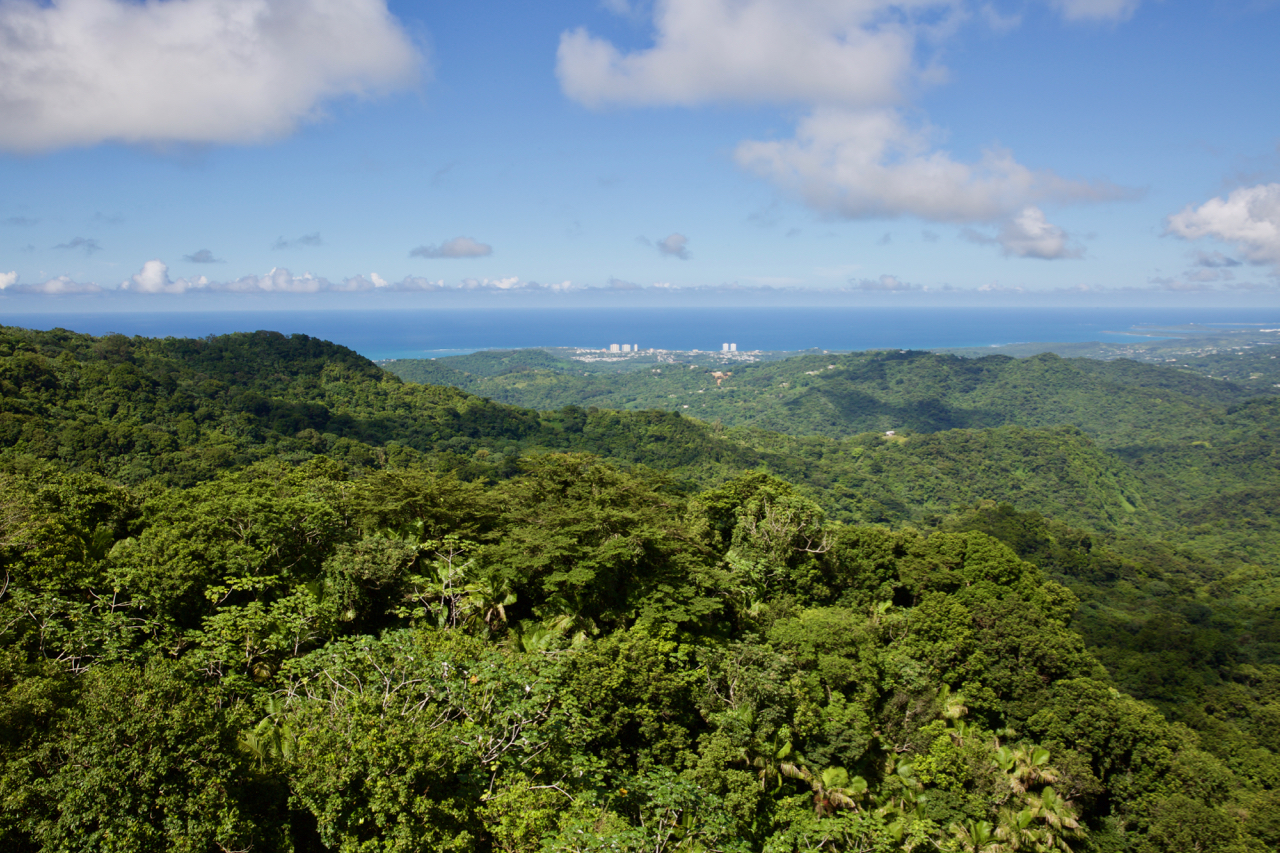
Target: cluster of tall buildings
{"points": [[728, 348]]}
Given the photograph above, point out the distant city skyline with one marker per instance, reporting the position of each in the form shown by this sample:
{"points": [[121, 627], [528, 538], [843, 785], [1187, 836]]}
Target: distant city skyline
{"points": [[212, 154]]}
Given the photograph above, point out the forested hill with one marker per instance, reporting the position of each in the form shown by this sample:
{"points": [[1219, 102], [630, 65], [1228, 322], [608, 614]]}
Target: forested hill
{"points": [[181, 410], [1117, 402], [260, 595]]}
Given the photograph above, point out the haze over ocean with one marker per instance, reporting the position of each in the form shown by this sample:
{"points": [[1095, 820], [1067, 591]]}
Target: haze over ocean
{"points": [[426, 333]]}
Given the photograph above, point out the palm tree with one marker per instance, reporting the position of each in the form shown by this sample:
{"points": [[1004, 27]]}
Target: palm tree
{"points": [[1058, 815], [269, 741], [900, 792], [833, 788], [484, 598], [952, 705], [1017, 829], [1025, 767], [976, 837], [772, 762], [535, 637]]}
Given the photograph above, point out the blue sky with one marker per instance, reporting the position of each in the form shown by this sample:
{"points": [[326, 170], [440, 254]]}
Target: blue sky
{"points": [[170, 151]]}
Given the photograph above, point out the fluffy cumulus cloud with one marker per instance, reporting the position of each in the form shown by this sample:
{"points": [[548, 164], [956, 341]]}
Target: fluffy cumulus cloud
{"points": [[675, 246], [868, 164], [852, 63], [829, 51], [1249, 218], [8, 279], [458, 247], [1029, 235], [80, 72], [154, 278]]}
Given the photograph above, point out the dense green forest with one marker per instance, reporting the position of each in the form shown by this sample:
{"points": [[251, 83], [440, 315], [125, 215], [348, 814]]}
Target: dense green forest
{"points": [[1118, 402], [260, 594]]}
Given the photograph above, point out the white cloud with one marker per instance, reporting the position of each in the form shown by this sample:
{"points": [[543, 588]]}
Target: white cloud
{"points": [[852, 52], [154, 278], [59, 286], [869, 164], [1096, 10], [884, 283], [853, 64], [458, 247], [410, 282], [1249, 217], [675, 246], [81, 72], [279, 280], [1030, 235], [357, 283], [510, 283]]}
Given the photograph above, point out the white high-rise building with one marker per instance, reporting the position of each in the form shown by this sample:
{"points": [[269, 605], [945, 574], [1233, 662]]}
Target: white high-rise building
{"points": [[614, 348], [733, 347], [724, 348]]}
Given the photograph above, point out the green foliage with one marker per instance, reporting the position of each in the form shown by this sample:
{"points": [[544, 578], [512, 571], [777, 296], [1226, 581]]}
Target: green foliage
{"points": [[134, 760], [324, 609], [845, 395]]}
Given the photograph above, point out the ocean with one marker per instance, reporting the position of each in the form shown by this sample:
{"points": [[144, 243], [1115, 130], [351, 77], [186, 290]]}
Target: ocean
{"points": [[431, 333]]}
